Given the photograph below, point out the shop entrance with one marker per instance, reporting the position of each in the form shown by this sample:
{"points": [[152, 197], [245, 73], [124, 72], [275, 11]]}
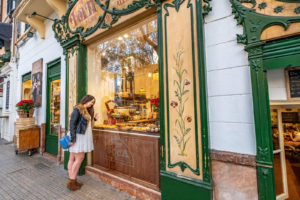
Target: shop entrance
{"points": [[286, 150], [53, 107]]}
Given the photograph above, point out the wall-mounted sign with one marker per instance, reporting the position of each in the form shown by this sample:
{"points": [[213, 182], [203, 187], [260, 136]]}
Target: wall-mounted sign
{"points": [[84, 14], [292, 76], [290, 117], [37, 82]]}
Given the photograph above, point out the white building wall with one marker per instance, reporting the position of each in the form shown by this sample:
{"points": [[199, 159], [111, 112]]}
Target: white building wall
{"points": [[7, 124], [277, 85], [230, 106], [48, 49]]}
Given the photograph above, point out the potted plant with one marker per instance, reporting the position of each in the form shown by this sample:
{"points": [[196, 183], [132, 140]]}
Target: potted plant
{"points": [[155, 108], [25, 108]]}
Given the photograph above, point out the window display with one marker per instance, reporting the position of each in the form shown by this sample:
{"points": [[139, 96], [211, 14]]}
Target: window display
{"points": [[290, 126], [26, 90], [123, 76], [54, 107]]}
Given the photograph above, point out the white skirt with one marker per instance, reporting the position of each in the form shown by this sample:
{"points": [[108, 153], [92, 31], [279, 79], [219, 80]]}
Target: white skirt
{"points": [[84, 142]]}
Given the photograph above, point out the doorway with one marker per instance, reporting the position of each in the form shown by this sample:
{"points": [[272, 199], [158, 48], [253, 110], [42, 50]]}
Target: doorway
{"points": [[53, 107], [286, 150]]}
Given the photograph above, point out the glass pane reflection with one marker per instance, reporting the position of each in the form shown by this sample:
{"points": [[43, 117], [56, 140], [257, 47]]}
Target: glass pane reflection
{"points": [[54, 107], [123, 76]]}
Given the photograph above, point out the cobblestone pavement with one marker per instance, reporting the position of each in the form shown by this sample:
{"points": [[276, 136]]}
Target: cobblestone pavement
{"points": [[36, 177]]}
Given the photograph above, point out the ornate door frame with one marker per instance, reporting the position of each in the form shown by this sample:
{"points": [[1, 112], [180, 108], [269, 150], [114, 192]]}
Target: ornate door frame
{"points": [[72, 38], [248, 13]]}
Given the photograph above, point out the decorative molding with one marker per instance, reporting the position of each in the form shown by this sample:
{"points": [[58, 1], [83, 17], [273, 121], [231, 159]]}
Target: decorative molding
{"points": [[278, 9], [262, 5], [206, 7], [254, 23], [180, 139], [235, 158], [63, 32], [297, 10]]}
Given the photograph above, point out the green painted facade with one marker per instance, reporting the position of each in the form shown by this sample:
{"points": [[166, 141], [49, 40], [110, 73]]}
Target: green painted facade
{"points": [[53, 73], [264, 56], [26, 77], [72, 41]]}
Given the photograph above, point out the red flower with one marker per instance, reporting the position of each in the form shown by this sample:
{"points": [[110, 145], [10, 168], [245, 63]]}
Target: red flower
{"points": [[187, 82], [189, 119], [174, 104]]}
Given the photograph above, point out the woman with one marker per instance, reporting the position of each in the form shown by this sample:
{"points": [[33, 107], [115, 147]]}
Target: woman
{"points": [[81, 122]]}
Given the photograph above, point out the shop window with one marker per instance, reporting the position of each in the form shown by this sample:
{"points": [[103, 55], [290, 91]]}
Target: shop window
{"points": [[123, 76], [26, 86]]}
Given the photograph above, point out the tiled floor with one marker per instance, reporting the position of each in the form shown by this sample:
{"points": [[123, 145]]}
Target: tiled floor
{"points": [[293, 176], [37, 177]]}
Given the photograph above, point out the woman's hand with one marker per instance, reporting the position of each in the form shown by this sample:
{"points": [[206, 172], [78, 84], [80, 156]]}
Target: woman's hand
{"points": [[71, 144], [96, 116]]}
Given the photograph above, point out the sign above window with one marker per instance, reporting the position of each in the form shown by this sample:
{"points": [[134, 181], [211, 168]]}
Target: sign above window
{"points": [[84, 14]]}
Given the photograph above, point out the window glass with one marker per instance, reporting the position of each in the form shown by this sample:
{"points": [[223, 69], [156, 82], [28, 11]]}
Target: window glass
{"points": [[26, 86], [26, 90], [123, 76]]}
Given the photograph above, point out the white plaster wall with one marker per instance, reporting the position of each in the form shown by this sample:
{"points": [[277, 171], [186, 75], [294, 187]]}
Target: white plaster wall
{"points": [[230, 106], [276, 84], [7, 124], [48, 49]]}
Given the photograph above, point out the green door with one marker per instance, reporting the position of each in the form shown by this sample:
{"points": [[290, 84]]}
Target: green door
{"points": [[53, 108]]}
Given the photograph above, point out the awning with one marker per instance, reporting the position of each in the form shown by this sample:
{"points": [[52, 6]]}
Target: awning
{"points": [[5, 33]]}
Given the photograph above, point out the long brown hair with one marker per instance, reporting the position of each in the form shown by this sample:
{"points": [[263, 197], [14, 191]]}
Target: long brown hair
{"points": [[87, 99]]}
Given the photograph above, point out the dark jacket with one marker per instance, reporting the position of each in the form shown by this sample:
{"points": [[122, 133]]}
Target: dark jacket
{"points": [[79, 121]]}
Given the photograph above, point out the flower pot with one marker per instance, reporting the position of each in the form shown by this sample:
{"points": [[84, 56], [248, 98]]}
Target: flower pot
{"points": [[22, 114], [30, 114]]}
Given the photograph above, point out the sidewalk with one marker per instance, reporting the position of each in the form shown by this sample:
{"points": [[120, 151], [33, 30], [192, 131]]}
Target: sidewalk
{"points": [[30, 178]]}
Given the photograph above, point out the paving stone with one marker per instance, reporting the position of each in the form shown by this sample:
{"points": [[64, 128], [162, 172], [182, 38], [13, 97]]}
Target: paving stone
{"points": [[36, 177]]}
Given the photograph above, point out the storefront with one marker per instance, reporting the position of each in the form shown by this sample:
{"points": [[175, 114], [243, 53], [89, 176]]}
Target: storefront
{"points": [[273, 53], [40, 71], [148, 76], [53, 106]]}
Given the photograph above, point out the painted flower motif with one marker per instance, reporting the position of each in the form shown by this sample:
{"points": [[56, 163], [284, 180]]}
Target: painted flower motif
{"points": [[189, 119], [187, 82], [174, 104]]}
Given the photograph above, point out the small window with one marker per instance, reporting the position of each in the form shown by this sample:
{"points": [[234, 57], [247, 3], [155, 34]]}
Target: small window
{"points": [[27, 26], [9, 6]]}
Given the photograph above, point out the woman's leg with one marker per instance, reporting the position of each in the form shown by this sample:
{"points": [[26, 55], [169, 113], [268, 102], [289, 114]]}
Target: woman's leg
{"points": [[79, 157], [71, 163]]}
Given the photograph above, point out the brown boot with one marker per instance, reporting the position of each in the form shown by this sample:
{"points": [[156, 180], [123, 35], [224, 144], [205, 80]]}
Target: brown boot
{"points": [[78, 183], [71, 185]]}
